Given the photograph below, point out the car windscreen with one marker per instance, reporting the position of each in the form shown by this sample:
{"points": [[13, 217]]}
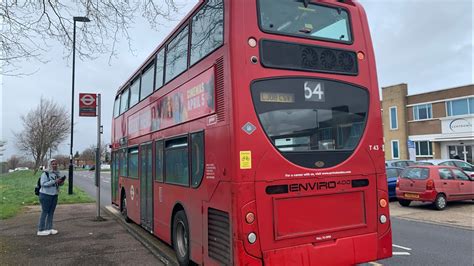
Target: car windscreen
{"points": [[303, 19], [415, 173]]}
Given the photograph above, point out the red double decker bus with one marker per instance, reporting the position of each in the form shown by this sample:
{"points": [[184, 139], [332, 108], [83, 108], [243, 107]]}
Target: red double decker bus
{"points": [[253, 135]]}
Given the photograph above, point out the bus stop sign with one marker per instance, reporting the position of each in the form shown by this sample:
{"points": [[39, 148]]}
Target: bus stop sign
{"points": [[87, 104]]}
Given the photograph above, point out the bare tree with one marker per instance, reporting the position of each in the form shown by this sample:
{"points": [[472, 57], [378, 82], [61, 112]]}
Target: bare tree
{"points": [[13, 162], [88, 154], [62, 160], [2, 147], [29, 26], [44, 127]]}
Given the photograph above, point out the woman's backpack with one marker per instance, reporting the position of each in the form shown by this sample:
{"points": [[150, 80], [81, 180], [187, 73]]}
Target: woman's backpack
{"points": [[38, 185]]}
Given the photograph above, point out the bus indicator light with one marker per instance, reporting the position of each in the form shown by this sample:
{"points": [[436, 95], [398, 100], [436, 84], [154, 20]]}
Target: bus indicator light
{"points": [[250, 217], [383, 203], [383, 219], [360, 55], [252, 42]]}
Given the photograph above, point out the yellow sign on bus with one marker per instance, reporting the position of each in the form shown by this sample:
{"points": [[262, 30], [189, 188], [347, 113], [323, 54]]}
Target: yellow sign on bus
{"points": [[245, 160]]}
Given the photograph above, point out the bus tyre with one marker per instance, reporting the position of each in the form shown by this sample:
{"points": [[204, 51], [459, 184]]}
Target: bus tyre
{"points": [[404, 202], [124, 209], [440, 202], [181, 238]]}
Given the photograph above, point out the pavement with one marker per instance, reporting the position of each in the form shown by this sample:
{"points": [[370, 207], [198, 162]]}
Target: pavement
{"points": [[85, 240], [457, 214], [82, 239]]}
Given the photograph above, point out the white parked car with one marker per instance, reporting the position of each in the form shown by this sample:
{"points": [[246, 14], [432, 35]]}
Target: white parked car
{"points": [[467, 167], [21, 168]]}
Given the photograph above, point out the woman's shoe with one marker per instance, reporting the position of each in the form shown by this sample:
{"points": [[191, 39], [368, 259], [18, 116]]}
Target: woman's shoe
{"points": [[43, 233]]}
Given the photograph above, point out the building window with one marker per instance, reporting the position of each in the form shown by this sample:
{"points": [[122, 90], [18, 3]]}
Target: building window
{"points": [[424, 148], [422, 111], [460, 107], [393, 118], [395, 149]]}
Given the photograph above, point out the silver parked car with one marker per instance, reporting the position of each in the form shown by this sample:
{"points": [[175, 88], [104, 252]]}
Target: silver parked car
{"points": [[399, 163], [467, 167]]}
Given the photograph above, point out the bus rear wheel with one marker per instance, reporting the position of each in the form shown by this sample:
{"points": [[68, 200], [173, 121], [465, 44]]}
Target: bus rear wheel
{"points": [[181, 238]]}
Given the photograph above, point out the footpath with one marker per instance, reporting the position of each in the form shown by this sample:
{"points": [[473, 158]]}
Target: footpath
{"points": [[81, 240]]}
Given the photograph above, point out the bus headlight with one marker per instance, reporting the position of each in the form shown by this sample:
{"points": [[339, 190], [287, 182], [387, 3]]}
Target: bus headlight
{"points": [[252, 237]]}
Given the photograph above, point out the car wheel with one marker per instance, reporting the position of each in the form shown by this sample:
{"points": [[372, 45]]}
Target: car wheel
{"points": [[404, 202], [440, 202], [124, 209], [181, 238]]}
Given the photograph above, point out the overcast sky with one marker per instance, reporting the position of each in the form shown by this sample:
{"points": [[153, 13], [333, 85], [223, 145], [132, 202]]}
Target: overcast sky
{"points": [[427, 44]]}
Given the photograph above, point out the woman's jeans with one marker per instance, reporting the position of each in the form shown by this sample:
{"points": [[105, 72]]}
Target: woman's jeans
{"points": [[48, 205]]}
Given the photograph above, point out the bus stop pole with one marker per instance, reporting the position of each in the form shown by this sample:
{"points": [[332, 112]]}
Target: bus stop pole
{"points": [[97, 158]]}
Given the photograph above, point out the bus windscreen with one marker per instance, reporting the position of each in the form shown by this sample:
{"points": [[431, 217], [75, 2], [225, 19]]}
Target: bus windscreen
{"points": [[294, 17]]}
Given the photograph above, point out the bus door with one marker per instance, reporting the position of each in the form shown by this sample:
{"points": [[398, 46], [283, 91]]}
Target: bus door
{"points": [[114, 183], [146, 187]]}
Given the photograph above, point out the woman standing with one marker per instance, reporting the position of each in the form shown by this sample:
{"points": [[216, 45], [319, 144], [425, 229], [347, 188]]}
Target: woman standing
{"points": [[48, 197]]}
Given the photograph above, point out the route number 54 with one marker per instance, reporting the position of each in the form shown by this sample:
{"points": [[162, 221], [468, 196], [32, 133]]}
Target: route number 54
{"points": [[314, 91]]}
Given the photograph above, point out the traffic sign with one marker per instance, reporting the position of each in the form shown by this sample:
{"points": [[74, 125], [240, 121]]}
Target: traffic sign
{"points": [[87, 104]]}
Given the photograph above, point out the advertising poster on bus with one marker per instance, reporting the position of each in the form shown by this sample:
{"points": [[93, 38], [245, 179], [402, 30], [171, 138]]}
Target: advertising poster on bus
{"points": [[192, 100]]}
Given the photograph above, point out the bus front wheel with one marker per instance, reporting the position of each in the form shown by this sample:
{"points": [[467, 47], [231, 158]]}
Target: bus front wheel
{"points": [[124, 209], [181, 238]]}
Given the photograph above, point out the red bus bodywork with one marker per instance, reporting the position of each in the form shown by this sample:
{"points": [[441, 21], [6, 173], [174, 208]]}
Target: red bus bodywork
{"points": [[323, 218]]}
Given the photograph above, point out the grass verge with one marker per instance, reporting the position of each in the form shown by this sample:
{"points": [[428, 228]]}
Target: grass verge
{"points": [[17, 191]]}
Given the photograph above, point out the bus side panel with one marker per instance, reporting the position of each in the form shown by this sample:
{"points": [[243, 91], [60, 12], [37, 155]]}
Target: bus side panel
{"points": [[161, 213], [132, 191]]}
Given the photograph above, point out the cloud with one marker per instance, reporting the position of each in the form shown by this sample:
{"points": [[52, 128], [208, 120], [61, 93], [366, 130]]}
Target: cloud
{"points": [[425, 43]]}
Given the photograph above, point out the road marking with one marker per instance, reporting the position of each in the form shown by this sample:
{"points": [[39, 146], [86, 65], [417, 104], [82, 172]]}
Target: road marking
{"points": [[397, 246], [375, 263], [401, 254]]}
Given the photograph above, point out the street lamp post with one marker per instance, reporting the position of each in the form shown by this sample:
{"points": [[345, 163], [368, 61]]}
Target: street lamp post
{"points": [[71, 165]]}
